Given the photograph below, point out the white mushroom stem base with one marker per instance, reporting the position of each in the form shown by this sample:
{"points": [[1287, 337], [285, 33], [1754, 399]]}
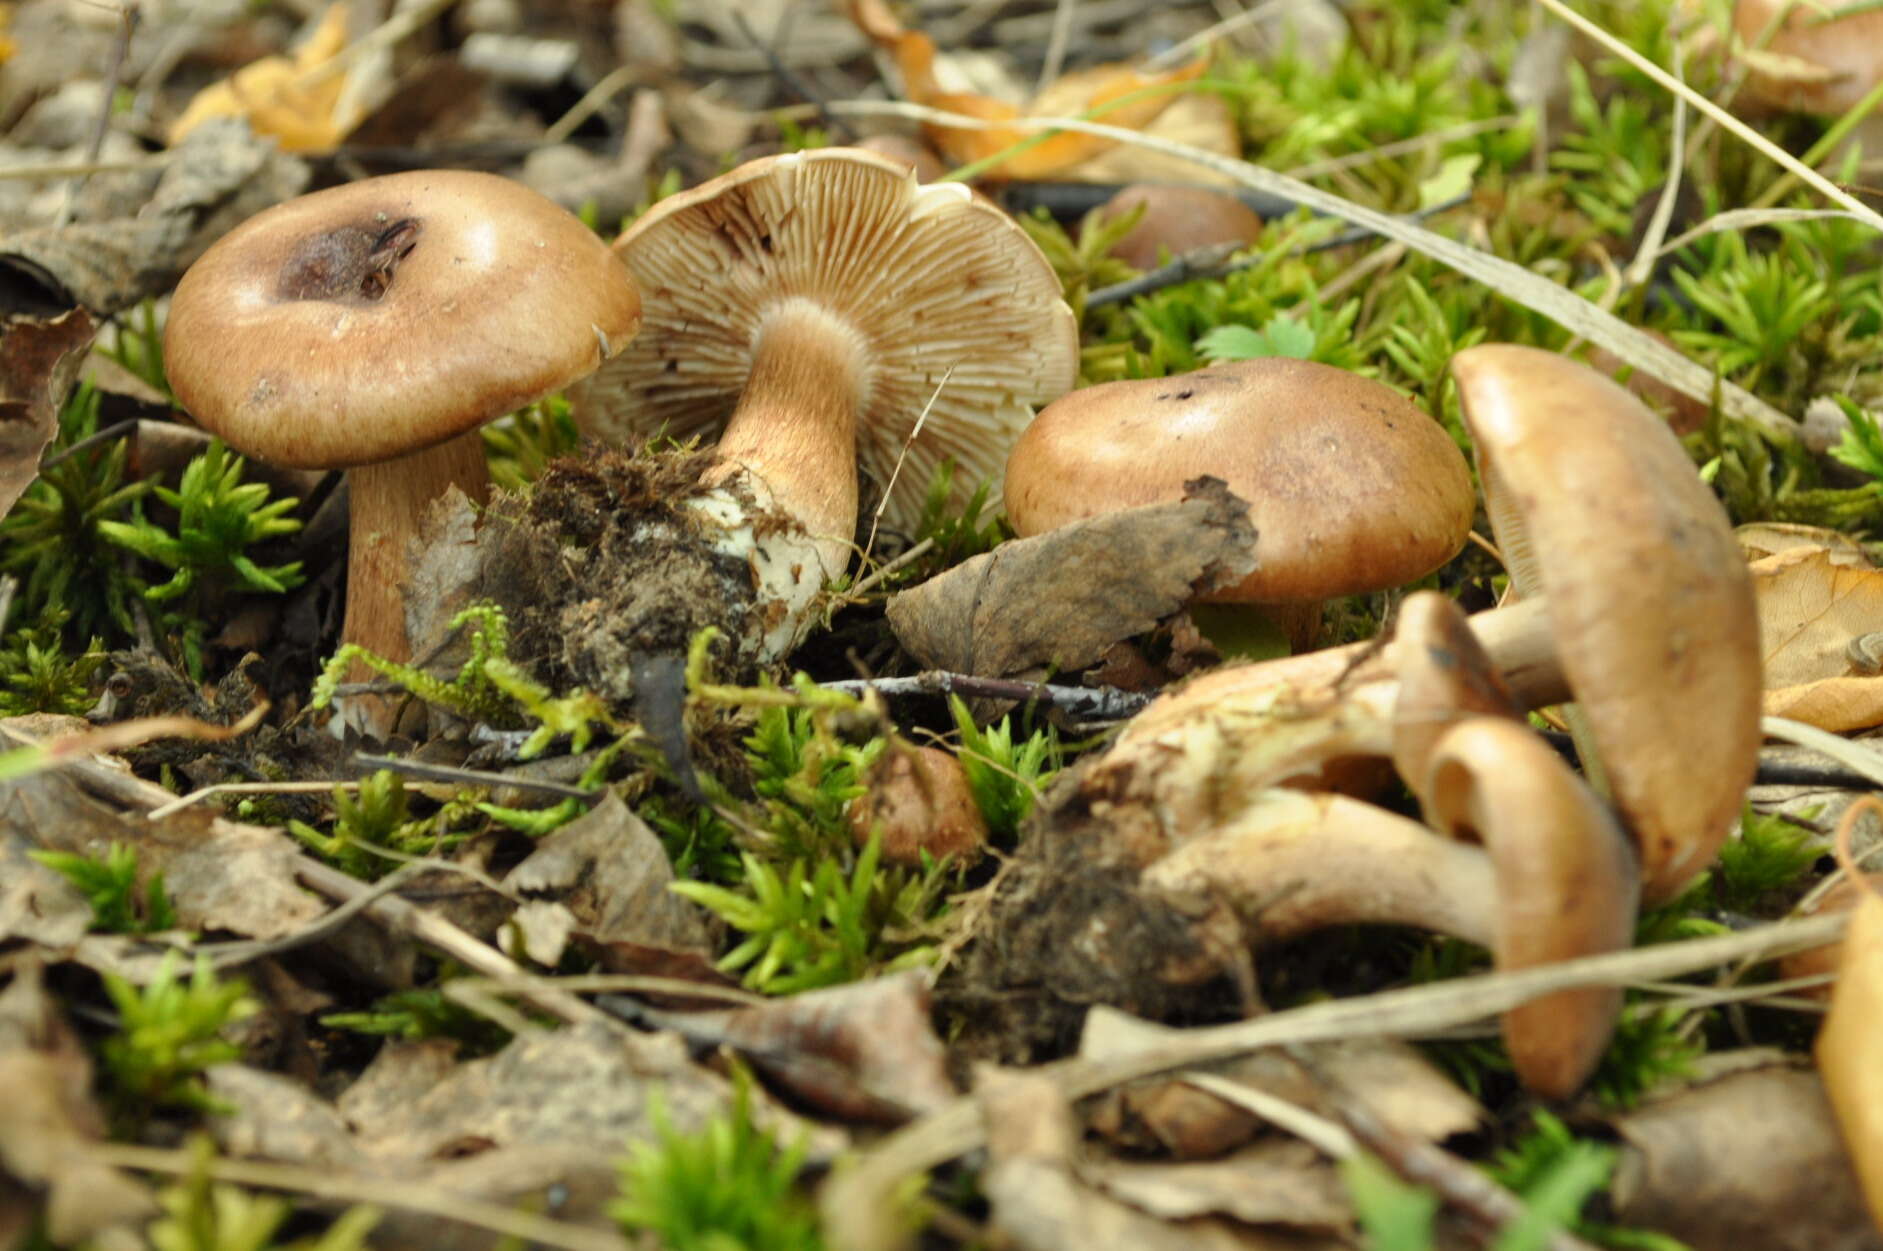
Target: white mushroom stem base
{"points": [[785, 483], [387, 506]]}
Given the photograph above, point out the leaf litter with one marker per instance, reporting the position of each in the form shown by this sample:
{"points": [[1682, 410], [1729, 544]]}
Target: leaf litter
{"points": [[544, 1117]]}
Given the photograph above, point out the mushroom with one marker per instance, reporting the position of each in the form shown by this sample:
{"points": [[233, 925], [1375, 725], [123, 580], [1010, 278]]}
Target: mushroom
{"points": [[1350, 487], [1631, 599], [374, 327], [921, 801], [840, 313], [1820, 59], [1555, 878], [1599, 512], [1178, 220]]}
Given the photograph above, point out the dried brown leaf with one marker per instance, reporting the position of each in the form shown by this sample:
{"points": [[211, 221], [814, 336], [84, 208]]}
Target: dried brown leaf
{"points": [[1060, 599], [611, 873], [1815, 612], [39, 362], [1752, 1160]]}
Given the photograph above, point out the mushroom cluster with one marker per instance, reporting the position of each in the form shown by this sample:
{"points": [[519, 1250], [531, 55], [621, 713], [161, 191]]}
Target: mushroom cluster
{"points": [[1629, 597]]}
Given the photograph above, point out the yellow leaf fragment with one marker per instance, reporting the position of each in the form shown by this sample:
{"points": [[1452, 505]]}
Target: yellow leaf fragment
{"points": [[1074, 94], [280, 95], [1819, 623], [1850, 1049]]}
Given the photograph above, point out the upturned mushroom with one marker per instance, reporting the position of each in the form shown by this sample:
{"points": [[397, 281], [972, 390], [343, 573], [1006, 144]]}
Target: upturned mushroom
{"points": [[374, 327], [1350, 487], [1554, 879], [831, 313], [1600, 513]]}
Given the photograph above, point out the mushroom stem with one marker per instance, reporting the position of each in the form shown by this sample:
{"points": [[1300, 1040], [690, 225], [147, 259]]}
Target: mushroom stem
{"points": [[387, 507], [794, 429], [1290, 862]]}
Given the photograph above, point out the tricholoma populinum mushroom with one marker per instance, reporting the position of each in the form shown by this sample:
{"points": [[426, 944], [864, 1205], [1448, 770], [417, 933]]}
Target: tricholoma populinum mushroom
{"points": [[1631, 598], [821, 306], [1350, 487], [374, 327]]}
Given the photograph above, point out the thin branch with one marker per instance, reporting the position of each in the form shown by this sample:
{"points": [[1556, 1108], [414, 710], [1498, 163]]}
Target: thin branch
{"points": [[1098, 703]]}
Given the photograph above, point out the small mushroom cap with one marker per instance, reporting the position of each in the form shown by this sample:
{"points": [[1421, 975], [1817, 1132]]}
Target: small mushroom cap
{"points": [[1599, 511], [1567, 885], [944, 294], [1178, 220], [371, 320], [1350, 487], [1838, 59]]}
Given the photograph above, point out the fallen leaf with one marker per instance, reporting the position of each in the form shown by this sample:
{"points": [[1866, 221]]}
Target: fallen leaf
{"points": [[864, 1051], [39, 361], [219, 874], [1278, 1181], [1060, 599], [609, 871], [218, 177], [1818, 621], [1135, 96], [1751, 1160], [282, 96], [1759, 539]]}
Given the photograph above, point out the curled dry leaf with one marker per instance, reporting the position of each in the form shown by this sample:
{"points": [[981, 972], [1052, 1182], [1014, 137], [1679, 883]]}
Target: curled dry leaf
{"points": [[1818, 619], [1060, 599], [39, 362], [1136, 98], [1750, 1160], [282, 96], [1038, 1199]]}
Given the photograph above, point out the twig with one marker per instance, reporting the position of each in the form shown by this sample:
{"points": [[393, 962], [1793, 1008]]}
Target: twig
{"points": [[1056, 42], [1509, 279], [857, 1204], [591, 103], [1098, 703], [403, 1193], [1212, 261], [867, 584], [475, 777], [785, 74], [128, 17], [245, 788], [1486, 1203]]}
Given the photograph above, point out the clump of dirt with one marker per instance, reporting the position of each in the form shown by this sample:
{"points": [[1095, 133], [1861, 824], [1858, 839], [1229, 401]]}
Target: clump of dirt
{"points": [[603, 565], [1070, 926]]}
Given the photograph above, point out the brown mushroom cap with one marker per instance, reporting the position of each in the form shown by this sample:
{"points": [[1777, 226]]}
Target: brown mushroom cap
{"points": [[1600, 513], [360, 323], [941, 296], [1840, 57], [1567, 885], [1177, 220], [1350, 487]]}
